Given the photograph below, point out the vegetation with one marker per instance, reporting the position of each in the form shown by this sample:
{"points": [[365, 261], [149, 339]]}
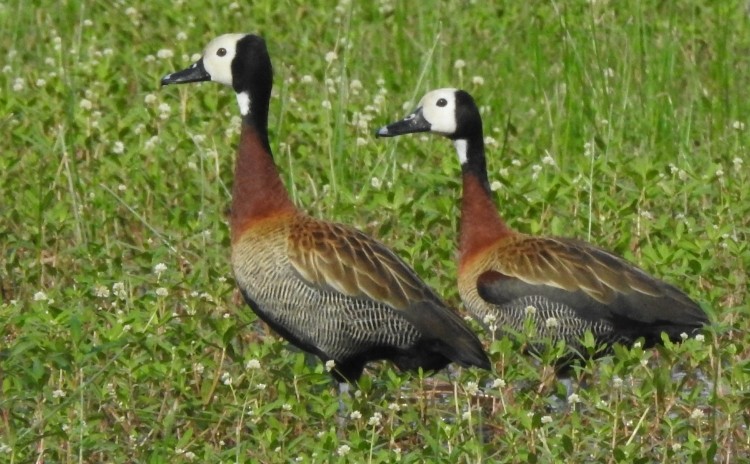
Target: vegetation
{"points": [[123, 337]]}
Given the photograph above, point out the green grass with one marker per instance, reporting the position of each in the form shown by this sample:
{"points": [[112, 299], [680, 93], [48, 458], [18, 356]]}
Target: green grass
{"points": [[623, 123]]}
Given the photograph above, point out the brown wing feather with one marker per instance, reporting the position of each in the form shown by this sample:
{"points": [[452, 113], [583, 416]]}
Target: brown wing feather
{"points": [[571, 265], [334, 256]]}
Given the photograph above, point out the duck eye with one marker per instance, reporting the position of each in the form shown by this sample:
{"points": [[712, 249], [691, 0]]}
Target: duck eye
{"points": [[442, 102], [221, 51]]}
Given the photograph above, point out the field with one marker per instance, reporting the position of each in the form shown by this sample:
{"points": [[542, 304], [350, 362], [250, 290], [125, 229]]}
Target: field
{"points": [[624, 123]]}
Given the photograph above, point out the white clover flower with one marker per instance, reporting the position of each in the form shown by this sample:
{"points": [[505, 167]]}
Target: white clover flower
{"points": [[355, 85], [58, 394], [130, 11], [100, 291], [159, 268], [574, 398], [637, 344], [490, 141], [261, 386], [535, 171], [307, 79], [496, 185], [252, 364], [85, 104], [616, 382], [375, 419], [459, 64], [198, 368], [477, 80], [700, 338], [395, 407], [164, 54], [40, 296], [645, 214], [676, 447], [697, 414], [189, 455], [355, 415], [330, 365], [286, 407], [683, 336], [498, 383], [149, 99], [343, 450], [588, 149], [331, 57], [719, 172], [326, 104], [737, 162], [118, 148], [41, 82], [376, 183], [549, 160], [226, 378], [546, 419], [118, 288], [472, 388], [552, 323], [181, 36], [529, 310], [161, 291]]}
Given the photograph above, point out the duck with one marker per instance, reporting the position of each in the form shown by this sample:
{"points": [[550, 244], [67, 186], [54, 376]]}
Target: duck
{"points": [[326, 288], [566, 287]]}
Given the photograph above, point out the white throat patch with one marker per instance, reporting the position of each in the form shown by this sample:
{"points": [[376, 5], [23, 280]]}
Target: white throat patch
{"points": [[243, 99], [461, 148]]}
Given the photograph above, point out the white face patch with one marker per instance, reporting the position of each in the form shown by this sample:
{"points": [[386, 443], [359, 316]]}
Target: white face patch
{"points": [[439, 109], [243, 99], [218, 56], [461, 146]]}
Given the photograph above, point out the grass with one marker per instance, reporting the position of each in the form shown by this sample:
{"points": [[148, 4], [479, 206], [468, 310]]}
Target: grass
{"points": [[124, 339]]}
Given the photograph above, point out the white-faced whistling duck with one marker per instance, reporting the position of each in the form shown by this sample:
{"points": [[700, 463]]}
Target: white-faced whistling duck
{"points": [[566, 286], [326, 288]]}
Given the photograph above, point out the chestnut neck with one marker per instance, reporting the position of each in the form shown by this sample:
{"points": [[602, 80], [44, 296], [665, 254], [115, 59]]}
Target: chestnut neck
{"points": [[481, 225], [258, 192]]}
